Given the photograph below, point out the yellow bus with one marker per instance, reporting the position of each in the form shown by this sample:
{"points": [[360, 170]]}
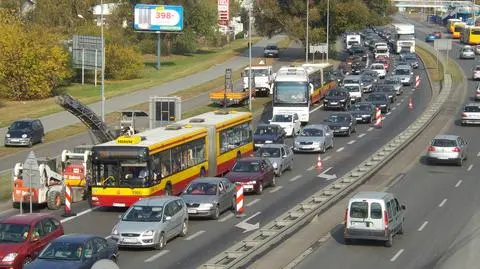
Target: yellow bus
{"points": [[164, 160], [458, 28], [450, 24], [471, 35]]}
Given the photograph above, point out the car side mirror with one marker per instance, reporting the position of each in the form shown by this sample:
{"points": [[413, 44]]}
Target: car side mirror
{"points": [[269, 121], [167, 218], [403, 207]]}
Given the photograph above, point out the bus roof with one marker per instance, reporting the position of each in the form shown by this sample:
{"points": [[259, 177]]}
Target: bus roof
{"points": [[291, 73], [220, 119], [311, 68]]}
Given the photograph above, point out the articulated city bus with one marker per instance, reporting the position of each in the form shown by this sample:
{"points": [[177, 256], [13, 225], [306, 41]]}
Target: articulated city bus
{"points": [[458, 29], [164, 160], [451, 24], [297, 88], [471, 35]]}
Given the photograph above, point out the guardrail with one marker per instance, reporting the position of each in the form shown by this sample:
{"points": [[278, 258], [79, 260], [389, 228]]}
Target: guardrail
{"points": [[272, 233]]}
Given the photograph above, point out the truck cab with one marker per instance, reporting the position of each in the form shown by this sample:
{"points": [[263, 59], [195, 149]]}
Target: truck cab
{"points": [[262, 79]]}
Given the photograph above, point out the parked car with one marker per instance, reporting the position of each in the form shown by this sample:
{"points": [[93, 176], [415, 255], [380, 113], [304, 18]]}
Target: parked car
{"points": [[476, 72], [337, 98], [75, 251], [271, 51], [395, 82], [380, 100], [24, 236], [268, 134], [151, 222], [253, 173], [281, 157], [314, 138], [389, 90], [467, 52], [288, 121], [471, 114], [26, 132], [209, 197], [363, 112], [447, 148], [342, 123], [373, 216]]}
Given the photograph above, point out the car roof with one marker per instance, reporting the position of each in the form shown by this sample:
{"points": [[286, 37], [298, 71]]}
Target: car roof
{"points": [[251, 159], [156, 200], [363, 103], [446, 136], [28, 218], [352, 76], [208, 180], [315, 126], [285, 113], [75, 238], [272, 146], [472, 104], [340, 113], [371, 195], [267, 125]]}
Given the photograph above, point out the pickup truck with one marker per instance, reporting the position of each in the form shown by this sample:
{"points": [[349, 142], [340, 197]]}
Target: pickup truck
{"points": [[270, 51], [262, 79]]}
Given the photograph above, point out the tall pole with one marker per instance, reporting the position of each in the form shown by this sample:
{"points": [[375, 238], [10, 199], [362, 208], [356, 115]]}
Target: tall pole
{"points": [[103, 63], [250, 59], [306, 37], [328, 26]]}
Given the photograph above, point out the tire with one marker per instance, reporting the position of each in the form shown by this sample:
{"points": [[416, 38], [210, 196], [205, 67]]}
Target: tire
{"points": [[347, 241], [333, 144], [30, 143], [54, 200], [389, 241], [274, 182], [162, 242], [323, 149], [400, 230], [460, 162], [216, 213], [168, 190], [290, 167], [184, 231], [260, 188], [280, 171], [234, 204]]}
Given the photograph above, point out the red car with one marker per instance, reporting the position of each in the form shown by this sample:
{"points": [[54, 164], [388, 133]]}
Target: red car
{"points": [[22, 237], [437, 34], [384, 61], [253, 173]]}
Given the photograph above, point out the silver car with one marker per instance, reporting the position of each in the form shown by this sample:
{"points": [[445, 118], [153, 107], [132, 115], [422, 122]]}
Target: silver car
{"points": [[391, 80], [447, 148], [151, 222], [467, 52], [404, 73], [209, 197], [314, 138], [280, 155]]}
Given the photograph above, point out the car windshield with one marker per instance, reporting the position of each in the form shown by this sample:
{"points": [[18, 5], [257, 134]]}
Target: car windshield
{"points": [[382, 51], [443, 143], [467, 50], [378, 66], [268, 152], [367, 79], [311, 132], [201, 188], [282, 118], [383, 89], [471, 109], [374, 97], [411, 57], [246, 167], [256, 73], [140, 213], [360, 107], [350, 81], [63, 251], [265, 130], [13, 233], [21, 125], [402, 72], [336, 93], [352, 88], [271, 47], [391, 81], [337, 118]]}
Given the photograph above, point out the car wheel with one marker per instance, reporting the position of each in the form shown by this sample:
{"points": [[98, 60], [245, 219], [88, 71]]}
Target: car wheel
{"points": [[260, 188], [184, 231], [280, 171], [162, 242], [323, 149], [460, 162], [290, 167], [30, 143], [234, 204], [400, 230], [389, 241], [347, 241], [274, 182], [216, 213], [333, 144]]}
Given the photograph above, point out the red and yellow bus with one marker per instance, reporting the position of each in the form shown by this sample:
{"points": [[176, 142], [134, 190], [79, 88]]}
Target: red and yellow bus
{"points": [[458, 28], [164, 160]]}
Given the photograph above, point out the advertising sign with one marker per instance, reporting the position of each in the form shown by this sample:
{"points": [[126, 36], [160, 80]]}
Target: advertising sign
{"points": [[158, 18], [223, 11]]}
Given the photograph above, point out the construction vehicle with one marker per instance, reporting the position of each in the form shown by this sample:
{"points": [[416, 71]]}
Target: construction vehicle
{"points": [[262, 79], [76, 165], [133, 122]]}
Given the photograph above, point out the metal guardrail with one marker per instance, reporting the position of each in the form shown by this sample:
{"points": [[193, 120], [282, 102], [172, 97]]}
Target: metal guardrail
{"points": [[276, 230]]}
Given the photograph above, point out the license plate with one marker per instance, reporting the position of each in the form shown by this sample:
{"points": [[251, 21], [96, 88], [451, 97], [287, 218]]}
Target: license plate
{"points": [[334, 103], [248, 186], [129, 240], [307, 147], [360, 118], [15, 140], [192, 211]]}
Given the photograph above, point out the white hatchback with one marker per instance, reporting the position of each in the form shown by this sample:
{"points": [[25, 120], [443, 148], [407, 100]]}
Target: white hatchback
{"points": [[380, 69], [288, 121]]}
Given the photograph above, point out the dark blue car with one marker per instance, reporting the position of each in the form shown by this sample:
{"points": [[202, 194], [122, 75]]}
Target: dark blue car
{"points": [[75, 251], [268, 134]]}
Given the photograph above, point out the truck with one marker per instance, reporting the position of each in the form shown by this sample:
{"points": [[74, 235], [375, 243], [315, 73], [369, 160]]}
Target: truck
{"points": [[76, 165], [353, 39], [229, 98], [262, 79], [404, 36]]}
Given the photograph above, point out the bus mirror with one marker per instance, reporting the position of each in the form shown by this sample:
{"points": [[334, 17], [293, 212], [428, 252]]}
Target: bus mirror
{"points": [[311, 88]]}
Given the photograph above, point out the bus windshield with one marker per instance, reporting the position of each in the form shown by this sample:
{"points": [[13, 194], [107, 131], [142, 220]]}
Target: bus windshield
{"points": [[290, 93], [123, 173], [256, 73]]}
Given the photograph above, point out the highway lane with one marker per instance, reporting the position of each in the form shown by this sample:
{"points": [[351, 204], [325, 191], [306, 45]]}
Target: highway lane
{"points": [[441, 229]]}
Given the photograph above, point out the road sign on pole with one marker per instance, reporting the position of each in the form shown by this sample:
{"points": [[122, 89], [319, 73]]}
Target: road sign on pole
{"points": [[442, 44]]}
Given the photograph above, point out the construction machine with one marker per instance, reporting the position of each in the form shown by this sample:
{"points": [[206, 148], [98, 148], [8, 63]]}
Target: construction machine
{"points": [[76, 165]]}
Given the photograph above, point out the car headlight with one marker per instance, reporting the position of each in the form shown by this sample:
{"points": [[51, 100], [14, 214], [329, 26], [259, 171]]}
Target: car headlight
{"points": [[10, 257], [344, 128], [252, 182], [149, 233], [7, 135], [24, 135], [383, 105], [205, 206], [114, 232], [275, 165], [343, 100]]}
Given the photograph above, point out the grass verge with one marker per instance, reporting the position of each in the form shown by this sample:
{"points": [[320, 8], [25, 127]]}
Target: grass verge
{"points": [[430, 60]]}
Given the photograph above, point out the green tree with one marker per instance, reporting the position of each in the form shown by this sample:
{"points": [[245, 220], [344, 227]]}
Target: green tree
{"points": [[122, 62]]}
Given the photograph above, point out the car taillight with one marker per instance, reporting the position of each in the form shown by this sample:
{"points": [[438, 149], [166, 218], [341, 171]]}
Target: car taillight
{"points": [[464, 115], [478, 91], [456, 149], [345, 218], [431, 148], [385, 218]]}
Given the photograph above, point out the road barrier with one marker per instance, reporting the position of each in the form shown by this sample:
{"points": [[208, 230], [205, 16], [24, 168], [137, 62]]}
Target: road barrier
{"points": [[240, 209], [276, 230], [378, 118], [410, 103], [417, 81], [68, 203], [319, 164]]}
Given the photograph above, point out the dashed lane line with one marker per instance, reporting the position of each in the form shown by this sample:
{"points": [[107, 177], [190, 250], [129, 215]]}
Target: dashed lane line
{"points": [[423, 226], [158, 255], [443, 202], [470, 167], [351, 142], [361, 135], [295, 178], [253, 202], [276, 189], [227, 217], [197, 234], [458, 183], [340, 149], [397, 255]]}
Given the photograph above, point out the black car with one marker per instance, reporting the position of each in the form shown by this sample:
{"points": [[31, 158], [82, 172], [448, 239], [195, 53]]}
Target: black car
{"points": [[388, 89], [25, 132], [380, 100], [342, 123], [268, 134], [337, 98], [357, 67], [363, 112], [410, 58], [358, 51]]}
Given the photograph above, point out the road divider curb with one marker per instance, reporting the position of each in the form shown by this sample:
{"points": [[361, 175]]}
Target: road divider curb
{"points": [[268, 236]]}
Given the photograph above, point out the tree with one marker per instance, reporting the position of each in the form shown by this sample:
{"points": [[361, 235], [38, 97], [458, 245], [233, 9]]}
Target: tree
{"points": [[32, 62], [122, 62]]}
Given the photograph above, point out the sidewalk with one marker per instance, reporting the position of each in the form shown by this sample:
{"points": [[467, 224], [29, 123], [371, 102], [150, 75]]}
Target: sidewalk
{"points": [[64, 118]]}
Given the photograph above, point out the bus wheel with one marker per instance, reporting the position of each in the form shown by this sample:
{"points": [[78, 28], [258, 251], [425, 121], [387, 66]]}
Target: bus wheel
{"points": [[203, 173], [168, 190]]}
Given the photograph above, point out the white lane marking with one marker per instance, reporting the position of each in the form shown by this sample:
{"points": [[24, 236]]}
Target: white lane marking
{"points": [[315, 109], [458, 183], [108, 237], [388, 113], [393, 108], [340, 149], [327, 158], [397, 105], [253, 202], [478, 154], [443, 202], [79, 214], [311, 168], [397, 255], [351, 141], [470, 167], [402, 100], [370, 129], [227, 217], [197, 234], [158, 255], [423, 226], [276, 189], [295, 178], [361, 135]]}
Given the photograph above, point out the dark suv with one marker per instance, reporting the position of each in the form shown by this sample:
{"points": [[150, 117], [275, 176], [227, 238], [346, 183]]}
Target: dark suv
{"points": [[25, 132], [337, 98]]}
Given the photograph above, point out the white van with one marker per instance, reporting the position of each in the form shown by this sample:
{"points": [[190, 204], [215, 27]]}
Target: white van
{"points": [[351, 83], [373, 216], [382, 51], [352, 40]]}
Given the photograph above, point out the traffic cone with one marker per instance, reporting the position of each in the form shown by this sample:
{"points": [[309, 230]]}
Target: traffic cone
{"points": [[378, 118], [410, 103], [319, 162]]}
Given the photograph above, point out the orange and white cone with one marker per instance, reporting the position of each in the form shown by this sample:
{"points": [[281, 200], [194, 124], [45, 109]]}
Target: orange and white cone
{"points": [[410, 103], [319, 164], [378, 118]]}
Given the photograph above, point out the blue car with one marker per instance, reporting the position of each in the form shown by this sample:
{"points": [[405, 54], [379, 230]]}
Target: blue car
{"points": [[75, 251], [268, 134], [430, 37]]}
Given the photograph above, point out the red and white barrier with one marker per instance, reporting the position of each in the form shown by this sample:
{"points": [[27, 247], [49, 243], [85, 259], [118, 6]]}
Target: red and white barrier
{"points": [[68, 202], [319, 164], [239, 200], [378, 118], [410, 103], [417, 81]]}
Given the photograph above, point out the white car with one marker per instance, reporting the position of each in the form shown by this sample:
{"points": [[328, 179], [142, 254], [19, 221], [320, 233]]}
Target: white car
{"points": [[476, 72], [467, 53], [288, 121], [380, 69]]}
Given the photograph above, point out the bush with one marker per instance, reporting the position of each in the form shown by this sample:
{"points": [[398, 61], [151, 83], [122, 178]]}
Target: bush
{"points": [[148, 46], [186, 43], [122, 62]]}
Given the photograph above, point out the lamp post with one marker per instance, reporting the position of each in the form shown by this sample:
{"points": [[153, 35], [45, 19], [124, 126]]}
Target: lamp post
{"points": [[306, 37], [103, 64], [328, 26], [250, 59]]}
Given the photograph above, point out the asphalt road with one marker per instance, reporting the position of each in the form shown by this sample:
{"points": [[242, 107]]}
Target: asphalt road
{"points": [[442, 217], [207, 238]]}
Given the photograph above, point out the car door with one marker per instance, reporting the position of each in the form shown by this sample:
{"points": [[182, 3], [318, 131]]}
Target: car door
{"points": [[224, 198], [38, 239], [288, 157], [177, 216], [50, 230], [230, 193], [393, 215], [101, 248], [328, 135], [90, 256], [463, 146], [400, 214], [169, 225], [268, 171]]}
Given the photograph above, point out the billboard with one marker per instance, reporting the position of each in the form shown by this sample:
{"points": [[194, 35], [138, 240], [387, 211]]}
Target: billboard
{"points": [[158, 18], [223, 11]]}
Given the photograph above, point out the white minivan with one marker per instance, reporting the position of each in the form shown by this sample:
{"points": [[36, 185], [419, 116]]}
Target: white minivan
{"points": [[373, 216]]}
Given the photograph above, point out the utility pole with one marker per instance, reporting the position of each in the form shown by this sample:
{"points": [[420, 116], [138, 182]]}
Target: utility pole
{"points": [[250, 59], [306, 38], [103, 63], [328, 26]]}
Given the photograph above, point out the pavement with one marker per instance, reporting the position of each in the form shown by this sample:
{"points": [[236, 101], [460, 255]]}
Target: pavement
{"points": [[207, 237], [442, 216]]}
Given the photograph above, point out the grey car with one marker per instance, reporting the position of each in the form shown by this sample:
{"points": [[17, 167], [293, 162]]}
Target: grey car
{"points": [[404, 73], [363, 112], [342, 123], [447, 148], [280, 155], [209, 197], [389, 90], [314, 138], [151, 222], [395, 82]]}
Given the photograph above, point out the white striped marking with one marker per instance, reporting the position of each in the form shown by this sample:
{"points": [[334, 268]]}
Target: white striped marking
{"points": [[478, 154], [276, 189], [458, 183], [327, 158], [340, 149], [315, 109], [361, 135], [370, 129], [470, 167], [388, 113], [158, 255], [397, 255], [351, 142], [295, 178], [227, 217], [78, 215], [108, 237], [393, 108], [195, 235], [423, 226], [311, 168], [253, 202], [443, 202]]}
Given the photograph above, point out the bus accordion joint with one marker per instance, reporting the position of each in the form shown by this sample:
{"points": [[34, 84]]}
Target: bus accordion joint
{"points": [[221, 112], [173, 127], [197, 120], [129, 139]]}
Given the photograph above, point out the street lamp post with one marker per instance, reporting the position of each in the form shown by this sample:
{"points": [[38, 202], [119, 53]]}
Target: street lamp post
{"points": [[250, 59], [103, 64], [306, 37], [328, 26]]}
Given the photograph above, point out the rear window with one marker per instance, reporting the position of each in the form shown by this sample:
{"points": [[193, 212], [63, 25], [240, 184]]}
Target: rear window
{"points": [[471, 109], [359, 210], [443, 143], [375, 211]]}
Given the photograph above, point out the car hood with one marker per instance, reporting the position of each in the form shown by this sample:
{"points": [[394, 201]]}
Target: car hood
{"points": [[282, 124], [334, 98], [188, 198], [19, 132], [379, 102], [135, 226], [318, 139], [6, 248], [264, 137], [243, 176], [401, 76], [337, 124], [360, 112], [54, 264]]}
